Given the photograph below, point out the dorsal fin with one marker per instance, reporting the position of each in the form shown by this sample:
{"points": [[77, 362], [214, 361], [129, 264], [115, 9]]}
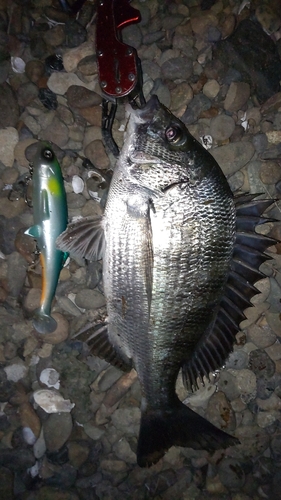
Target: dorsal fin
{"points": [[215, 346]]}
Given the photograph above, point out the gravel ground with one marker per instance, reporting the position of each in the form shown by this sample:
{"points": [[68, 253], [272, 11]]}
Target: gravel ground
{"points": [[69, 421]]}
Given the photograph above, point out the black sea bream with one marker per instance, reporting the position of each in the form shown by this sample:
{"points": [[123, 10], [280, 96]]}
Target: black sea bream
{"points": [[180, 255]]}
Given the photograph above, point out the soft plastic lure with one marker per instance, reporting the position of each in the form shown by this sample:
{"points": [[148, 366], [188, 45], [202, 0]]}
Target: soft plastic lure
{"points": [[50, 220]]}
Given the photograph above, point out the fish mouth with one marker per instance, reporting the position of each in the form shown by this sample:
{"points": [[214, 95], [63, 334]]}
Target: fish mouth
{"points": [[149, 109]]}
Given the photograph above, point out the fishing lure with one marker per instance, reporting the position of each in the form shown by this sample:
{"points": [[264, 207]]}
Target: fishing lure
{"points": [[50, 220]]}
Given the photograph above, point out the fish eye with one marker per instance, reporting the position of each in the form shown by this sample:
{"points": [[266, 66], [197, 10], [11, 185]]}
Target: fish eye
{"points": [[173, 134], [48, 154]]}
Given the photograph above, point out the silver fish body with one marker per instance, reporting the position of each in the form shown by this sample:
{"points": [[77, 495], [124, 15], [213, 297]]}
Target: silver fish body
{"points": [[180, 256]]}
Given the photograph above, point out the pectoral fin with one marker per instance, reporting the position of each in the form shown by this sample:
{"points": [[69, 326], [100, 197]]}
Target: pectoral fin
{"points": [[83, 238]]}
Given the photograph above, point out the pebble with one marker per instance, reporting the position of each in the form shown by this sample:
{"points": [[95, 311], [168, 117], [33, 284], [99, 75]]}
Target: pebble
{"points": [[181, 96], [232, 157], [95, 152], [9, 107], [261, 336], [179, 67], [81, 97], [237, 95], [59, 83], [56, 132], [211, 89], [110, 376], [220, 412], [126, 420], [29, 419], [57, 429], [8, 140], [222, 127], [261, 364], [231, 474]]}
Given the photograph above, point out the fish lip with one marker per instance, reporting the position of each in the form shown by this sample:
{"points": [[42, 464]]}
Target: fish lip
{"points": [[146, 112]]}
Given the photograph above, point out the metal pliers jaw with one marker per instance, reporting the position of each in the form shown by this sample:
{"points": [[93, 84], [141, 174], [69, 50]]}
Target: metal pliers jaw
{"points": [[119, 67]]}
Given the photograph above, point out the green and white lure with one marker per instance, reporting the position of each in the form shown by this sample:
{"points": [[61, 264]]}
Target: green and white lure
{"points": [[50, 220]]}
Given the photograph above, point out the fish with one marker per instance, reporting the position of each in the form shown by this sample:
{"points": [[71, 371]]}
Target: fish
{"points": [[50, 216], [180, 258]]}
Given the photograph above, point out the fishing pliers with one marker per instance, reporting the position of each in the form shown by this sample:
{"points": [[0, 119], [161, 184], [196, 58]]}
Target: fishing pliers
{"points": [[119, 66]]}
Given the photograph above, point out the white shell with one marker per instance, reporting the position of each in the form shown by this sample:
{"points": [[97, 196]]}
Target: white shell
{"points": [[52, 402], [18, 65], [77, 184], [95, 195], [206, 141], [50, 377]]}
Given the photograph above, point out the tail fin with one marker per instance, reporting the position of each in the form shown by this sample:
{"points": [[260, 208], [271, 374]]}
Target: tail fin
{"points": [[180, 426], [43, 323]]}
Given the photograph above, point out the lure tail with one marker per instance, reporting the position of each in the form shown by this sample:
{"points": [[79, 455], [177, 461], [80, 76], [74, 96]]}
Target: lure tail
{"points": [[179, 426], [43, 323]]}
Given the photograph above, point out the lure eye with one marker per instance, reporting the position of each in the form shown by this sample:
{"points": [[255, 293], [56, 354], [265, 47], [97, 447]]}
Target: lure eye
{"points": [[173, 134], [48, 154]]}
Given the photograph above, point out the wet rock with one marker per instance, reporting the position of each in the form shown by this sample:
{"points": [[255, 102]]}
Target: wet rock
{"points": [[132, 35], [6, 484], [220, 413], [237, 360], [221, 127], [9, 107], [89, 299], [274, 321], [95, 152], [29, 419], [227, 384], [34, 70], [181, 96], [10, 350], [232, 157], [72, 57], [8, 140], [48, 98], [93, 432], [231, 474], [261, 364], [57, 430], [26, 93], [179, 67], [126, 420], [198, 104], [25, 246], [251, 52], [261, 336], [78, 453], [211, 89], [80, 97], [60, 82], [56, 132], [76, 34], [124, 452], [237, 95], [109, 378], [17, 459], [88, 65]]}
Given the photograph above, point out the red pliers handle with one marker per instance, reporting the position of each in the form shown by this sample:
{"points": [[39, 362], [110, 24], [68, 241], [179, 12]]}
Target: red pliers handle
{"points": [[118, 63]]}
